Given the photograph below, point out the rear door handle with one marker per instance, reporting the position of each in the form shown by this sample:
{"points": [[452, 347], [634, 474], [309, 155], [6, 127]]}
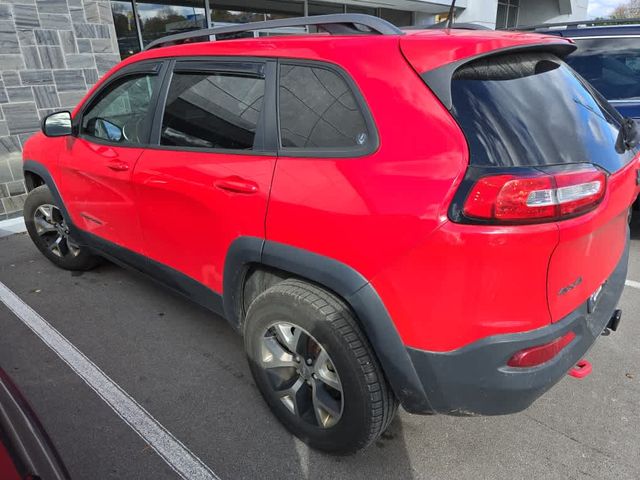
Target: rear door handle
{"points": [[236, 184], [118, 166]]}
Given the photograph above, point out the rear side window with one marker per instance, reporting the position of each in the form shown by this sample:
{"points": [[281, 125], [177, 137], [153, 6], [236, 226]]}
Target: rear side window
{"points": [[318, 110], [611, 65], [212, 110], [531, 109]]}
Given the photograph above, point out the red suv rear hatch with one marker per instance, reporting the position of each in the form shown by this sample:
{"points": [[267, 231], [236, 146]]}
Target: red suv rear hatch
{"points": [[544, 147]]}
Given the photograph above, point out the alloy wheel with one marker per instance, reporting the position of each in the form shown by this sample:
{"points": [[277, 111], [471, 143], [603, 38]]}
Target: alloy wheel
{"points": [[52, 229], [301, 374]]}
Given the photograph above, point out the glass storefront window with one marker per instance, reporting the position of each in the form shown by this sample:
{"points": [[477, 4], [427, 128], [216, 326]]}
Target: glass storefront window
{"points": [[241, 11], [365, 10], [400, 18], [317, 8], [161, 18], [126, 30]]}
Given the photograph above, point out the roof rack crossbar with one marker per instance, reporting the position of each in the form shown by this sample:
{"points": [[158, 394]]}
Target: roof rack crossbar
{"points": [[340, 23], [576, 23]]}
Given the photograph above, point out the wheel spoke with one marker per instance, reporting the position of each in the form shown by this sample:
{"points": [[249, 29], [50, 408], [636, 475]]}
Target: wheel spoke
{"points": [[291, 396], [59, 246], [326, 372], [325, 407], [274, 355], [47, 212], [289, 336], [43, 226]]}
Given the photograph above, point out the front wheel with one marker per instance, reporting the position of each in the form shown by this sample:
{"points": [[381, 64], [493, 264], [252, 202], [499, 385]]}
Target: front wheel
{"points": [[315, 368], [50, 233]]}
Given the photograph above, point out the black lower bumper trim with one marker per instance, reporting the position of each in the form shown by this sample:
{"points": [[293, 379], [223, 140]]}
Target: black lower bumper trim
{"points": [[475, 380]]}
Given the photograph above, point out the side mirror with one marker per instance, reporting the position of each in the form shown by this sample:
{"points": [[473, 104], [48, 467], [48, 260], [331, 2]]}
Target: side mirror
{"points": [[57, 124]]}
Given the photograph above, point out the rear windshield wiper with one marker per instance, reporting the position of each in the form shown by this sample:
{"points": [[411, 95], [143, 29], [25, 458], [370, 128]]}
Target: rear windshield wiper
{"points": [[628, 135]]}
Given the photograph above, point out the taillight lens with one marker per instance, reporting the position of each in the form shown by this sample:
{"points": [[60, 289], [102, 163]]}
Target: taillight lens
{"points": [[538, 196], [533, 356]]}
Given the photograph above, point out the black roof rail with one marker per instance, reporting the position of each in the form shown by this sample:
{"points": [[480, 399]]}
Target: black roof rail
{"points": [[579, 23], [339, 23]]}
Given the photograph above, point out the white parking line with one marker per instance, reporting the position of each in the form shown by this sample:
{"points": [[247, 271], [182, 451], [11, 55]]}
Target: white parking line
{"points": [[184, 462], [632, 284]]}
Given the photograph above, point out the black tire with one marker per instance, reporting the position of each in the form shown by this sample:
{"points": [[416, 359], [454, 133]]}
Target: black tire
{"points": [[368, 404], [82, 259]]}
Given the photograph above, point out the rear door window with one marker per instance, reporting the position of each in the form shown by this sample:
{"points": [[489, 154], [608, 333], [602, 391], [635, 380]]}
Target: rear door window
{"points": [[530, 109], [213, 109], [319, 111], [611, 65]]}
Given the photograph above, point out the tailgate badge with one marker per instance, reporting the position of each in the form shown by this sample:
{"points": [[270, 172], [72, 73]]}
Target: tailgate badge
{"points": [[571, 286], [593, 299]]}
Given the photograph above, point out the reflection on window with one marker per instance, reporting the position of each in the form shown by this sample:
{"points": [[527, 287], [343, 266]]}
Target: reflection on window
{"points": [[317, 8], [612, 65], [218, 110], [120, 111], [241, 11], [318, 110], [400, 18], [507, 16], [171, 16], [126, 31]]}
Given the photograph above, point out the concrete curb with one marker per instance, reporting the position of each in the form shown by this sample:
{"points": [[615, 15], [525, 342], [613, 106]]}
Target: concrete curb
{"points": [[12, 226]]}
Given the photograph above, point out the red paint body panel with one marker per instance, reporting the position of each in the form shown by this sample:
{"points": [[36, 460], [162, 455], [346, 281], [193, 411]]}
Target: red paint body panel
{"points": [[99, 199], [188, 221], [369, 211], [430, 49], [7, 468], [590, 246]]}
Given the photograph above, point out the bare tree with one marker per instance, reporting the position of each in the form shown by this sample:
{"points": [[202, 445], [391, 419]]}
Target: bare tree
{"points": [[629, 9]]}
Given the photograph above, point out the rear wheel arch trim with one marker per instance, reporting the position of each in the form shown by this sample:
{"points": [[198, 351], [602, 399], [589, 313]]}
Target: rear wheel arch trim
{"points": [[344, 281]]}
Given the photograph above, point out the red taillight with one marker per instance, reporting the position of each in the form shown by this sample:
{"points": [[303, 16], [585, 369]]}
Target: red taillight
{"points": [[535, 197], [533, 356]]}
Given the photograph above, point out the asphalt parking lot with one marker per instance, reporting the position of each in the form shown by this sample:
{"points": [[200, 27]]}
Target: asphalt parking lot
{"points": [[186, 367]]}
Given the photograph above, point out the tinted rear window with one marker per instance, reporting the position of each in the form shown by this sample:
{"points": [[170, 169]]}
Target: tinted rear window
{"points": [[531, 109], [612, 65]]}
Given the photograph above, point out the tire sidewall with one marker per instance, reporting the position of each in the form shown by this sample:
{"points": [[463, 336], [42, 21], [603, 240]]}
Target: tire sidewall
{"points": [[353, 429]]}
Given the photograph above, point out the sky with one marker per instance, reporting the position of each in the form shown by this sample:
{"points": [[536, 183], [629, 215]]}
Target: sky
{"points": [[601, 8]]}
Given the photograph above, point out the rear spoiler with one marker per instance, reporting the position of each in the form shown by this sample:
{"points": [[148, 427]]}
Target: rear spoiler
{"points": [[439, 79]]}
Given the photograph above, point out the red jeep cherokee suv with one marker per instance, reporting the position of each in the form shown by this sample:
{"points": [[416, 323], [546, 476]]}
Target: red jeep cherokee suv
{"points": [[434, 218]]}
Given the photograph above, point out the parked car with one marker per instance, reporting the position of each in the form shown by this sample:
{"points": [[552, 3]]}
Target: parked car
{"points": [[26, 451], [608, 56], [431, 218]]}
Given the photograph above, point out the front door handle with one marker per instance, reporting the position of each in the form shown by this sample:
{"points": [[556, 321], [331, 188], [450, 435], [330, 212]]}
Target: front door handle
{"points": [[236, 184], [118, 166]]}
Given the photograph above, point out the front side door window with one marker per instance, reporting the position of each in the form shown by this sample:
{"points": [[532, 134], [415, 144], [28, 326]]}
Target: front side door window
{"points": [[119, 114]]}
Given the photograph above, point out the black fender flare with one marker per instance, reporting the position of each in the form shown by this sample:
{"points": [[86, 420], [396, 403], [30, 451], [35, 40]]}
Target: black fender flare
{"points": [[346, 282], [37, 168]]}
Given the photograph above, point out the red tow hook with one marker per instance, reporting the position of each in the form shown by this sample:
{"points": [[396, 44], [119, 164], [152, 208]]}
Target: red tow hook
{"points": [[580, 369]]}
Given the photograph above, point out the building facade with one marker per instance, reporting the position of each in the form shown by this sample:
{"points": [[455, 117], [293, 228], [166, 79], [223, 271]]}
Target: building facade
{"points": [[53, 51]]}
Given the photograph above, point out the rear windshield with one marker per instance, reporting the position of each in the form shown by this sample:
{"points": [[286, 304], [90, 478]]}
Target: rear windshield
{"points": [[612, 65], [523, 110]]}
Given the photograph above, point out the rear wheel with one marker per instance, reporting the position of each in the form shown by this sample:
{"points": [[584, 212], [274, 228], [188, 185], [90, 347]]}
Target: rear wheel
{"points": [[315, 368], [50, 233]]}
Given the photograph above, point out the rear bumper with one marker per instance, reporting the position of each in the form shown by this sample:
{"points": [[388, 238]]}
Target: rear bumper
{"points": [[475, 379]]}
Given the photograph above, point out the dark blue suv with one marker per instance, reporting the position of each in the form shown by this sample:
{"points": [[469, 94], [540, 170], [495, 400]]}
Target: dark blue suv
{"points": [[608, 56]]}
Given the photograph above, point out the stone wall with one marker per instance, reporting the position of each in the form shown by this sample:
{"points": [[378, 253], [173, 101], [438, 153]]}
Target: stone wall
{"points": [[51, 53]]}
